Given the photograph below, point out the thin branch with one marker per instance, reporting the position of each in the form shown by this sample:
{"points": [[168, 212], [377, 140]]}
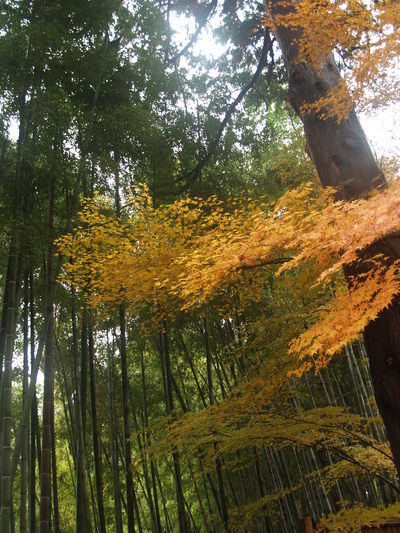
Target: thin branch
{"points": [[267, 48], [267, 262], [193, 39]]}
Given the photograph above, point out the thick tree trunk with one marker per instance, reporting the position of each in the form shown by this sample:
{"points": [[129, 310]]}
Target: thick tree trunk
{"points": [[382, 339], [343, 159], [340, 152]]}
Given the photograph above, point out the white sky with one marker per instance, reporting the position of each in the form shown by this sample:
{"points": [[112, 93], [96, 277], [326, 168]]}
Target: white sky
{"points": [[383, 131]]}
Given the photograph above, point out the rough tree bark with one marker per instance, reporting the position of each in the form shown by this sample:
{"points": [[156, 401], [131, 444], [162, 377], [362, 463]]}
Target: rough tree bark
{"points": [[343, 160]]}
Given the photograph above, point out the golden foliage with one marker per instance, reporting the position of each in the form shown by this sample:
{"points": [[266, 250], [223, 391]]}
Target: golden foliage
{"points": [[352, 518], [359, 461], [194, 251], [233, 425]]}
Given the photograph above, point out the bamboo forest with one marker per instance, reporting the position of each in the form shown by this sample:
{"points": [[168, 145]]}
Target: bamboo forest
{"points": [[200, 267]]}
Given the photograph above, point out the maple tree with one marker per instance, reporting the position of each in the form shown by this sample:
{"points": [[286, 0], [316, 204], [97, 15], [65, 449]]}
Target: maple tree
{"points": [[181, 255]]}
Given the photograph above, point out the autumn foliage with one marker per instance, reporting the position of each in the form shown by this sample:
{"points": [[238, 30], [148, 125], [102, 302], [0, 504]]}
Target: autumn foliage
{"points": [[179, 256]]}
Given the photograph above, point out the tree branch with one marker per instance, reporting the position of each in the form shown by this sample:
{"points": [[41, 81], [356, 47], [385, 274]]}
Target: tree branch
{"points": [[258, 264], [193, 39], [267, 48]]}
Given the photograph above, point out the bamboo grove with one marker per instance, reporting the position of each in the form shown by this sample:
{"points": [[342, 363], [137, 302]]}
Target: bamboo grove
{"points": [[200, 286]]}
